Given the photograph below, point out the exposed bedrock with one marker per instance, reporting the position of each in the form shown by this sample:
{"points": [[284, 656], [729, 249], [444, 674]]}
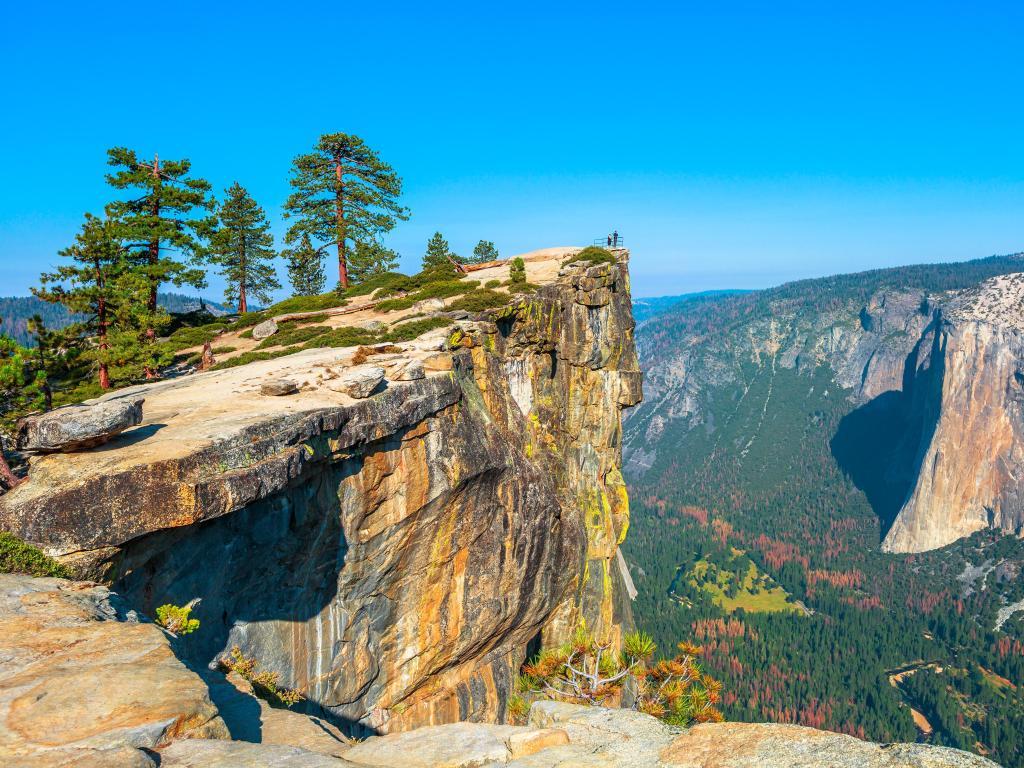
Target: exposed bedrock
{"points": [[969, 462], [394, 557]]}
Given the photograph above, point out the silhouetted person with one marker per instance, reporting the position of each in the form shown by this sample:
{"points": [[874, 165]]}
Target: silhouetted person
{"points": [[615, 238], [609, 241]]}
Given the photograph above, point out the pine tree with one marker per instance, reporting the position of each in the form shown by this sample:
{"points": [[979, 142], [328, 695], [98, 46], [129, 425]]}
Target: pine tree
{"points": [[438, 253], [158, 217], [93, 285], [305, 268], [343, 193], [517, 271], [243, 247], [369, 259], [23, 389], [484, 252]]}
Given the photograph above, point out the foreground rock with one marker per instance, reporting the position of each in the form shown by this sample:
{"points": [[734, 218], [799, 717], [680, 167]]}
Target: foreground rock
{"points": [[202, 753], [80, 684], [76, 427], [264, 330]]}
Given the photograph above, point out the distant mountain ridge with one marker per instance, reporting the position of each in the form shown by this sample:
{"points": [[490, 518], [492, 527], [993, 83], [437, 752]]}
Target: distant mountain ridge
{"points": [[15, 312], [646, 308]]}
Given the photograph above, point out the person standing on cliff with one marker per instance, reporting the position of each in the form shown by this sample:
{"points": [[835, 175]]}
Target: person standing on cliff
{"points": [[615, 239]]}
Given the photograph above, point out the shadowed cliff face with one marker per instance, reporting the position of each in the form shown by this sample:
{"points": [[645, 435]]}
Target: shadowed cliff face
{"points": [[394, 557], [970, 463]]}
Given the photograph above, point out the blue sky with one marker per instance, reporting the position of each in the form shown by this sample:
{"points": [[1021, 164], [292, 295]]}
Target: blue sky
{"points": [[732, 144]]}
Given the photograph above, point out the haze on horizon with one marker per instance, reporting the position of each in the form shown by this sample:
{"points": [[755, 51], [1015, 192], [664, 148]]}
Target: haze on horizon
{"points": [[735, 147]]}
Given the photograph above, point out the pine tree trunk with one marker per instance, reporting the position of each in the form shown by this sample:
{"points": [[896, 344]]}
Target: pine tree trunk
{"points": [[243, 307], [101, 325], [339, 205], [154, 259]]}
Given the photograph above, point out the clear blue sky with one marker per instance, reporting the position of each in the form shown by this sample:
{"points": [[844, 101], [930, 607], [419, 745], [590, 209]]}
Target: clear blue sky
{"points": [[732, 144]]}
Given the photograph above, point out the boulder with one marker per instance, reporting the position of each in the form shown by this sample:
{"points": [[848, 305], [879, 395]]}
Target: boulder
{"points": [[457, 745], [264, 330], [372, 325], [205, 753], [359, 381], [439, 361], [404, 369], [77, 426], [279, 387], [82, 684]]}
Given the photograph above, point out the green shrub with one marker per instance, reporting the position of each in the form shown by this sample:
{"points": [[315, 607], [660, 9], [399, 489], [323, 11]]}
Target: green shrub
{"points": [[328, 300], [517, 271], [248, 320], [177, 619], [252, 357], [18, 557], [194, 337], [394, 305], [414, 328], [592, 254], [478, 301], [293, 335], [265, 684], [492, 284], [223, 350], [342, 337], [389, 282]]}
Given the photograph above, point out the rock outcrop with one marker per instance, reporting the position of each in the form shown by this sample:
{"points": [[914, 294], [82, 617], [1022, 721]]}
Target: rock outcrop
{"points": [[968, 391], [394, 556], [82, 682], [86, 684], [77, 427]]}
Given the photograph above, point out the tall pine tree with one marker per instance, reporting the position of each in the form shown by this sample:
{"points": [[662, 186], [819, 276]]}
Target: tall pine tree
{"points": [[438, 253], [343, 192], [161, 214], [305, 268], [243, 248], [483, 252], [97, 285], [369, 259], [23, 389]]}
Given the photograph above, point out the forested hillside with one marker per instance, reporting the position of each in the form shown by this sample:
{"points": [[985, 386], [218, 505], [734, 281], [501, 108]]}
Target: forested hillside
{"points": [[15, 312], [749, 533]]}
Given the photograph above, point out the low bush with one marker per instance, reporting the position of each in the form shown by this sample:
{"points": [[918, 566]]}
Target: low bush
{"points": [[592, 254], [492, 284], [177, 619], [412, 329], [18, 557], [248, 320], [253, 357], [265, 684], [183, 338], [342, 337], [328, 300], [223, 350], [586, 671], [478, 301], [289, 335]]}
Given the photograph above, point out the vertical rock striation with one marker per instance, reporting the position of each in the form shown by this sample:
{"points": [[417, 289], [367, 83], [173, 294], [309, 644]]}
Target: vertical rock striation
{"points": [[970, 397]]}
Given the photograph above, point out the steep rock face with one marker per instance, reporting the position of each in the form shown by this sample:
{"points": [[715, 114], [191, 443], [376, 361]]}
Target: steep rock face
{"points": [[970, 459], [392, 557]]}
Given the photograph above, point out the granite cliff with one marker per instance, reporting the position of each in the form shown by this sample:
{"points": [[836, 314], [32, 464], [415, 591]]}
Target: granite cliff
{"points": [[391, 553]]}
